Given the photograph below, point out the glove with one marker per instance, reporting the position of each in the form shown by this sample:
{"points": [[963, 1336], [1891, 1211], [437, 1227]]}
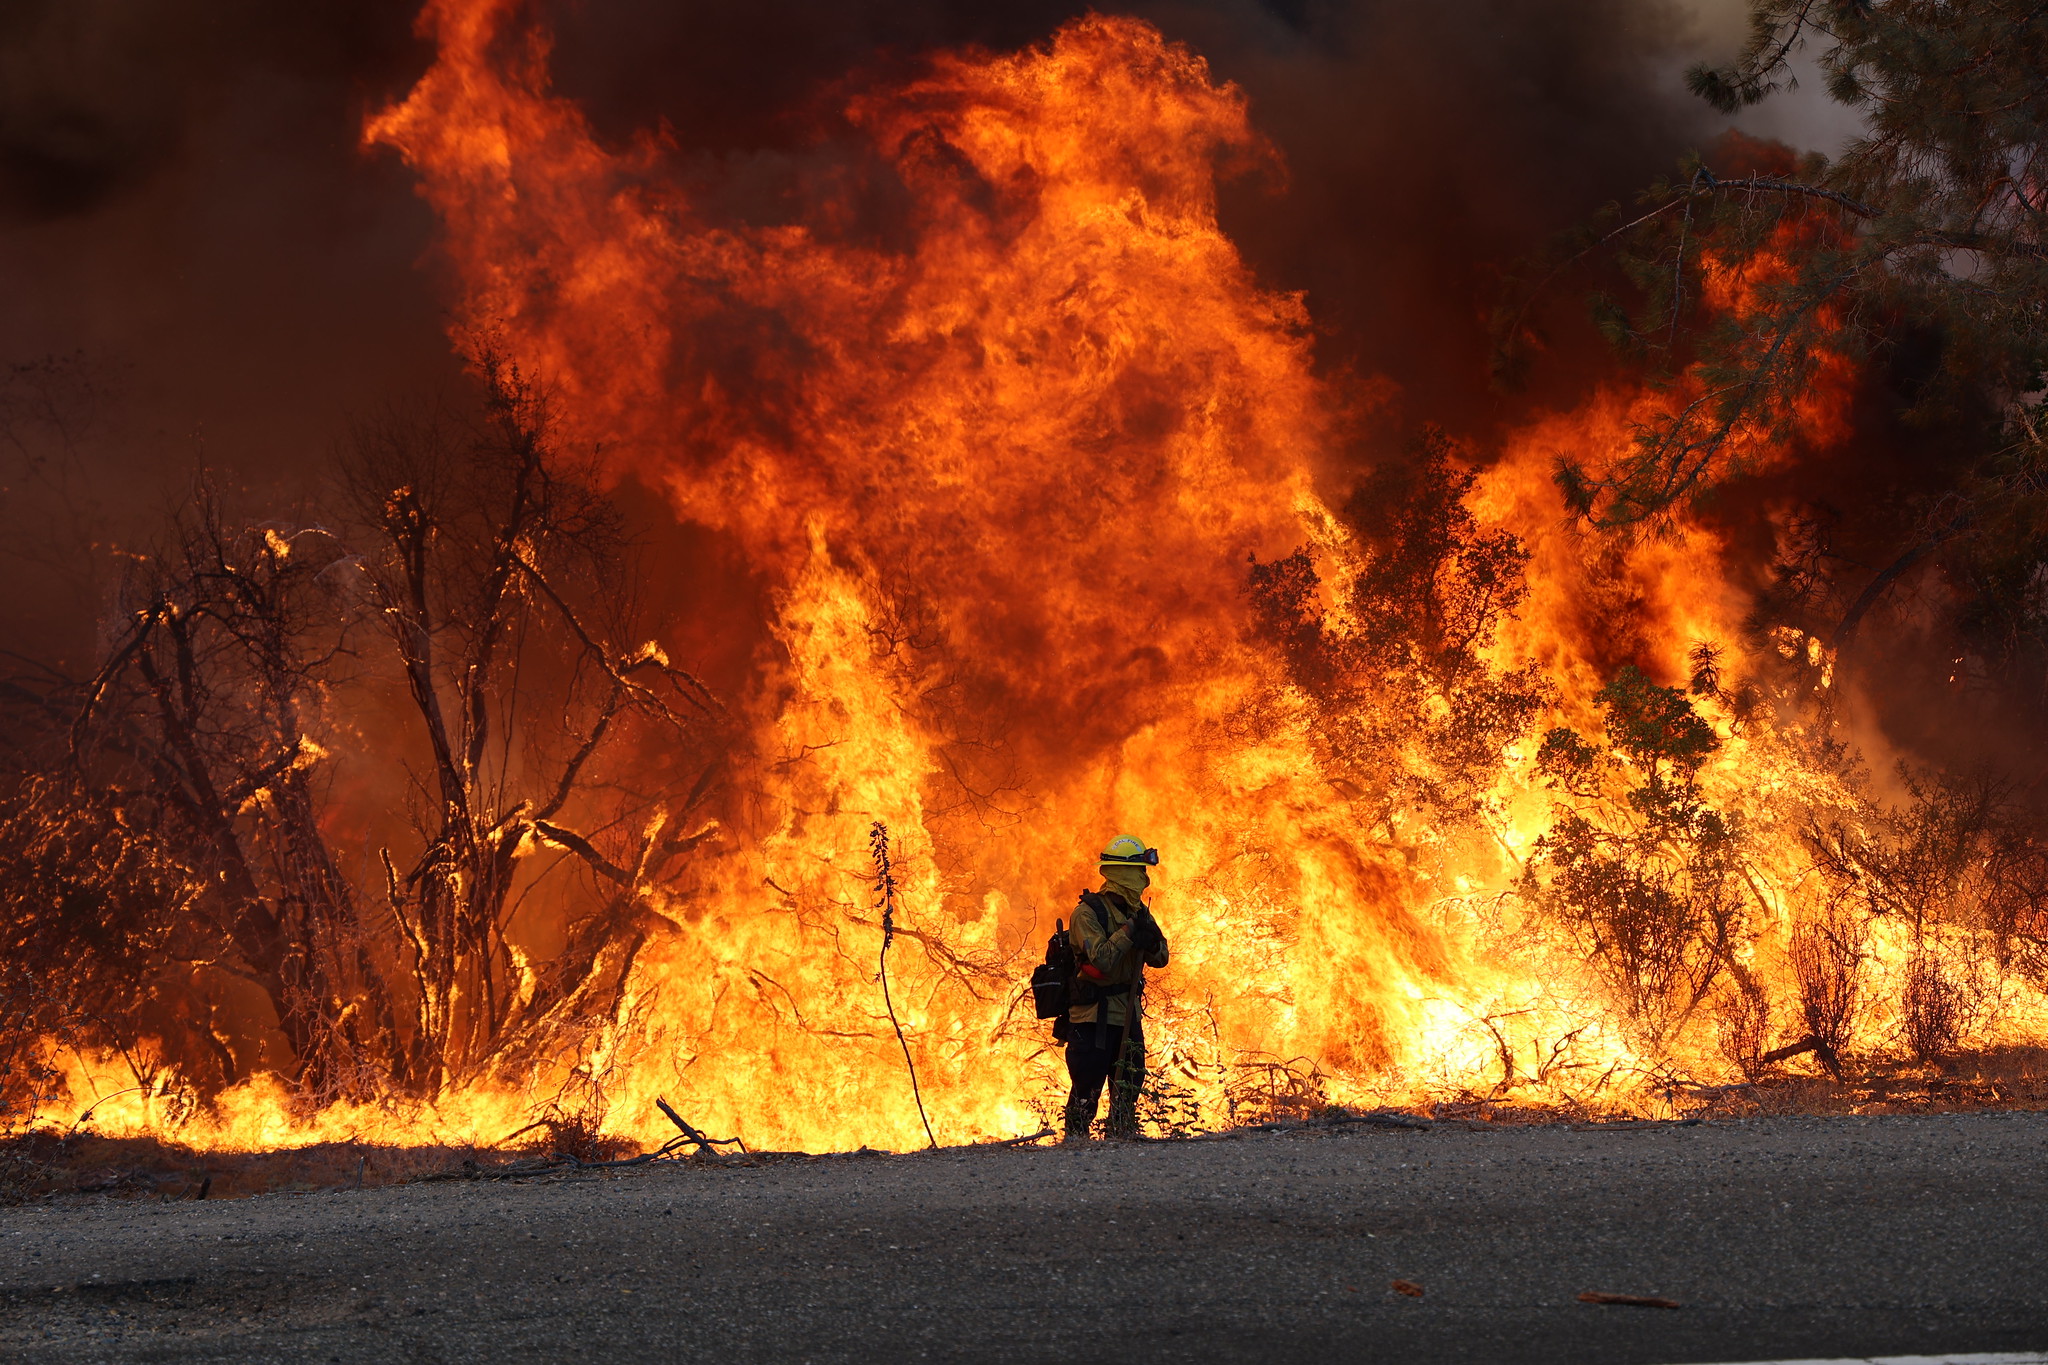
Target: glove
{"points": [[1145, 933]]}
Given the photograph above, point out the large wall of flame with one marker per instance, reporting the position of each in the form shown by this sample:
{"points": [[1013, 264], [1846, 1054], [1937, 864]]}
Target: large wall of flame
{"points": [[1050, 426]]}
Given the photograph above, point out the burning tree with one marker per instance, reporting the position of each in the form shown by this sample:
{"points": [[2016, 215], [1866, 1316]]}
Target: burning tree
{"points": [[497, 581], [1920, 248], [193, 814], [185, 765], [1931, 219]]}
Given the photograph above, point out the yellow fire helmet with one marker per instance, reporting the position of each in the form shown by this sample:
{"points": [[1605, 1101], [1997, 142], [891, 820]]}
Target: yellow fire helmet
{"points": [[1129, 851]]}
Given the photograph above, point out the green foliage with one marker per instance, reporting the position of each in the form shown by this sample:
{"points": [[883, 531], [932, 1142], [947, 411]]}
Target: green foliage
{"points": [[1639, 865], [1931, 224], [1997, 561], [1569, 762], [1655, 725]]}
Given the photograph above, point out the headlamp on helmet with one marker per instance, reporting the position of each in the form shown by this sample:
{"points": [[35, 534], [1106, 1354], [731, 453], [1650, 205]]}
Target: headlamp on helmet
{"points": [[1128, 851]]}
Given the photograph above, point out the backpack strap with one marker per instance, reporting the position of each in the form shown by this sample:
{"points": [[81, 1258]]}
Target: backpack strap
{"points": [[1094, 900]]}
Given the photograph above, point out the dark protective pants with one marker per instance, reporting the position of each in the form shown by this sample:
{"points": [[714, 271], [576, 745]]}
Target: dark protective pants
{"points": [[1092, 1055]]}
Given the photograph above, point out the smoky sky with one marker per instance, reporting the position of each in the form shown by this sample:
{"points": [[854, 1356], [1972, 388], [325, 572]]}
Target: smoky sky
{"points": [[190, 227], [183, 207]]}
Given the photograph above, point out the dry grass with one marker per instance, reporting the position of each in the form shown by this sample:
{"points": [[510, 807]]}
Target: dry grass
{"points": [[1999, 1078]]}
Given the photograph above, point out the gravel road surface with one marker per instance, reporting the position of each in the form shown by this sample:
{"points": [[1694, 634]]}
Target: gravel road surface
{"points": [[1779, 1237]]}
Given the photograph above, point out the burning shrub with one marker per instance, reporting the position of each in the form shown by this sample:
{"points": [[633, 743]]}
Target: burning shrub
{"points": [[98, 898], [192, 801], [1264, 1088], [1167, 1106], [497, 572], [208, 714], [34, 1023], [1640, 864], [572, 1124], [31, 1022], [1933, 1008], [1962, 852], [1827, 962], [1744, 1029]]}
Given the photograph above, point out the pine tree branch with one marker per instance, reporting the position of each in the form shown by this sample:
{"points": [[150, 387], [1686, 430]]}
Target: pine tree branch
{"points": [[1707, 182]]}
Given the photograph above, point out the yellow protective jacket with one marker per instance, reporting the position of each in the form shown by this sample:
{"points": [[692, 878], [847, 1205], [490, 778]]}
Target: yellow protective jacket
{"points": [[1110, 952]]}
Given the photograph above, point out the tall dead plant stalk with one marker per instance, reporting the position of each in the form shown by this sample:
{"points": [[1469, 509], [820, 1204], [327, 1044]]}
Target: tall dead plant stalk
{"points": [[885, 901]]}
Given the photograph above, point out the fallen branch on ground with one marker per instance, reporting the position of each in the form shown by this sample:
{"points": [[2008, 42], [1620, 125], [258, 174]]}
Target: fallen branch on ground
{"points": [[1790, 1050], [548, 1165], [1810, 1043], [1378, 1119], [665, 1149], [706, 1146]]}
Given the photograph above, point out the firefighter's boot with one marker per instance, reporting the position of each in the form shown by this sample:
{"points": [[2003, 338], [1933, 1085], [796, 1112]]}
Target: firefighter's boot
{"points": [[1123, 1101], [1080, 1118]]}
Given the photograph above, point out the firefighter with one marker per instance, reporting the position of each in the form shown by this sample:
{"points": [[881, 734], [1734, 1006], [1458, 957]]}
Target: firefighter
{"points": [[1114, 938]]}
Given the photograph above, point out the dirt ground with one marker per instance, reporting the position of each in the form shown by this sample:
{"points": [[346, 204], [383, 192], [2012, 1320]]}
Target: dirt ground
{"points": [[1800, 1237]]}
